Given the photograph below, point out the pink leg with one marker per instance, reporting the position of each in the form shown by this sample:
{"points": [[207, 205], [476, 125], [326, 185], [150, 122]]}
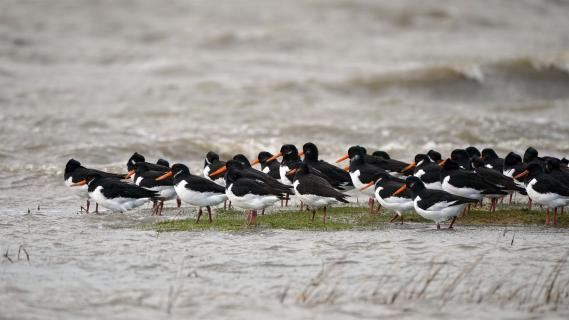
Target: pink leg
{"points": [[209, 214], [547, 217], [511, 195], [178, 202], [324, 218], [199, 215], [554, 216]]}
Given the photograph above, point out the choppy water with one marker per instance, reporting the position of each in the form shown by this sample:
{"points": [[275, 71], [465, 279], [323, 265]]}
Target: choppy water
{"points": [[98, 80]]}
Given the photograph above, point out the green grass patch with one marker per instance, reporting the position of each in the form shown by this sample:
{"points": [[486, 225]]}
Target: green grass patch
{"points": [[344, 218]]}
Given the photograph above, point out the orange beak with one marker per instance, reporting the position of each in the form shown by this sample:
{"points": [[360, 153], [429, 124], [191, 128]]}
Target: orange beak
{"points": [[367, 185], [255, 162], [80, 183], [403, 188], [164, 176], [276, 156], [129, 174], [410, 166], [347, 168], [521, 175], [291, 172], [218, 171], [442, 163], [301, 153], [344, 157]]}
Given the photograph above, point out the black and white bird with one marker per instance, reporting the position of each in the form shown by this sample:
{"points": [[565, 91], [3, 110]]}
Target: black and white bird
{"points": [[427, 170], [466, 183], [75, 173], [462, 158], [498, 179], [116, 195], [212, 164], [544, 189], [138, 158], [435, 156], [473, 152], [492, 160], [163, 162], [195, 190], [435, 205], [249, 193], [392, 166], [315, 191], [532, 155], [146, 178], [271, 168], [385, 186], [291, 160], [363, 173], [554, 169], [337, 177]]}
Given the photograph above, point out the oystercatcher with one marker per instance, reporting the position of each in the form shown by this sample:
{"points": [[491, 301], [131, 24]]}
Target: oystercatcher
{"points": [[315, 191], [271, 168], [75, 172], [492, 160], [138, 158], [381, 154], [435, 156], [496, 178], [249, 194], [513, 166], [163, 162], [434, 205], [195, 190], [531, 155], [114, 194], [385, 187], [244, 169], [337, 177], [212, 164], [462, 158], [362, 173], [427, 170], [545, 189], [553, 168], [393, 167], [291, 160], [146, 178], [465, 183]]}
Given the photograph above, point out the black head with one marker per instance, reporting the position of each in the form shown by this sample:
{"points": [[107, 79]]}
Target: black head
{"points": [[71, 165], [235, 165], [141, 167], [178, 168], [472, 152], [242, 159], [263, 156], [289, 151], [530, 154], [381, 154], [459, 154], [512, 159], [534, 168], [211, 157], [163, 162], [303, 169], [233, 172], [565, 161], [310, 151], [435, 156], [422, 158], [415, 184], [356, 150], [489, 154], [450, 165], [136, 157]]}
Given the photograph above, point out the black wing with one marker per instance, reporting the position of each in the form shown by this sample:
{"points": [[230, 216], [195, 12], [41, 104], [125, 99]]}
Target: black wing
{"points": [[114, 189], [430, 198], [469, 179], [245, 186], [201, 184], [546, 183], [311, 184], [389, 188], [498, 179]]}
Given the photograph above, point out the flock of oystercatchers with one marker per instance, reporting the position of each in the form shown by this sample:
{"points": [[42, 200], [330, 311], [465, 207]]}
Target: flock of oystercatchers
{"points": [[438, 190]]}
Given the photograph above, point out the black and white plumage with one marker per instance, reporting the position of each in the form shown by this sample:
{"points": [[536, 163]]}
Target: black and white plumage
{"points": [[250, 193], [392, 166], [532, 155], [554, 169], [435, 156], [427, 170], [498, 179], [291, 160], [385, 186], [466, 183], [213, 164], [337, 177], [116, 195], [315, 191], [492, 160], [435, 205], [195, 190], [245, 170], [361, 172], [146, 178], [513, 166], [138, 158], [75, 173], [473, 152], [271, 168]]}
